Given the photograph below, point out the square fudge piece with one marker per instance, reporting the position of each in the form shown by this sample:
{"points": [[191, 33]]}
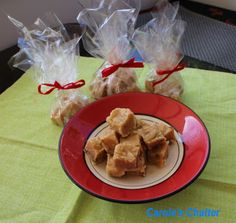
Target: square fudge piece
{"points": [[158, 155], [126, 155], [140, 123], [115, 171], [167, 131], [140, 170], [109, 140], [95, 150], [151, 134], [122, 120], [112, 169], [64, 109], [133, 139]]}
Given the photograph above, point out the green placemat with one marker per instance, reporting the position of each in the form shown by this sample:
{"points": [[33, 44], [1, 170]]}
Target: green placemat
{"points": [[34, 188]]}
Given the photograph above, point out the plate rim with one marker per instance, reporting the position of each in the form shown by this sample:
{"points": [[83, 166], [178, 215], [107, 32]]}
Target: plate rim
{"points": [[140, 201]]}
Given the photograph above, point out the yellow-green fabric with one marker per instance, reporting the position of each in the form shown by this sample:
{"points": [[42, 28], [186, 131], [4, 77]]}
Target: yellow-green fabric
{"points": [[34, 187]]}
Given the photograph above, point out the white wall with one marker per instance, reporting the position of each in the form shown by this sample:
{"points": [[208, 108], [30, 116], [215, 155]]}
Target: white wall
{"points": [[227, 4], [27, 11]]}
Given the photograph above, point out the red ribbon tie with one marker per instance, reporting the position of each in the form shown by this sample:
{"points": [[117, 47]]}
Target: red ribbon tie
{"points": [[167, 73], [57, 85], [114, 67]]}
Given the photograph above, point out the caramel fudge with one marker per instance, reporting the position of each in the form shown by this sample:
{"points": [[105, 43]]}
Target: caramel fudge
{"points": [[128, 158], [123, 80], [158, 155], [133, 139], [95, 150], [115, 170], [139, 124], [109, 140], [141, 166], [151, 134], [172, 87], [167, 131], [112, 169], [56, 117], [61, 115], [122, 120], [65, 108], [98, 88], [126, 155]]}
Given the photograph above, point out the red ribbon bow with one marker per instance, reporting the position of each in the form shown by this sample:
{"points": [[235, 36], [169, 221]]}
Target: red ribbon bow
{"points": [[168, 72], [114, 67], [56, 85]]}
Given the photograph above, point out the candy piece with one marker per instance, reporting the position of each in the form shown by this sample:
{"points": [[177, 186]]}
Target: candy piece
{"points": [[95, 150], [133, 139], [98, 88], [109, 140], [123, 80], [117, 171], [167, 131], [172, 87], [158, 155], [65, 108], [122, 120], [112, 169], [151, 134], [126, 155], [141, 166]]}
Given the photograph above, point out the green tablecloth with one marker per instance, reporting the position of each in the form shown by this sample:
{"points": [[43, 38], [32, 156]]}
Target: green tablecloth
{"points": [[34, 188]]}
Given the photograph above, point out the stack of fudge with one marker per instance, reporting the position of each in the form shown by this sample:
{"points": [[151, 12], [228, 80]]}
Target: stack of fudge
{"points": [[129, 144]]}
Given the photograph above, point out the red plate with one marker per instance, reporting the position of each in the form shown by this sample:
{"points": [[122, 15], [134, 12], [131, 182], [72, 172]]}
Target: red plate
{"points": [[189, 157]]}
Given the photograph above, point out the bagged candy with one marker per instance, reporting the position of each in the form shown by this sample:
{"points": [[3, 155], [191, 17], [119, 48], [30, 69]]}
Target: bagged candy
{"points": [[52, 54], [158, 42], [109, 28]]}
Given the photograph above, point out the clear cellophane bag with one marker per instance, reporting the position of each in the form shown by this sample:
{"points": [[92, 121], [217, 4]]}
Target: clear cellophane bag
{"points": [[159, 43], [110, 25], [52, 55]]}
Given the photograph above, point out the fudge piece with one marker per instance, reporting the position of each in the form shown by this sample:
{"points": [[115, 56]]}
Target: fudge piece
{"points": [[167, 131], [133, 139], [126, 155], [112, 169], [129, 158], [123, 80], [61, 114], [140, 123], [151, 134], [56, 117], [141, 166], [109, 140], [95, 150], [122, 120], [171, 87], [66, 107], [117, 171], [158, 155], [98, 88]]}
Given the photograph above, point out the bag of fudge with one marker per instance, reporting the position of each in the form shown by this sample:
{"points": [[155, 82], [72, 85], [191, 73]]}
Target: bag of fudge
{"points": [[48, 50], [159, 43], [109, 27]]}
